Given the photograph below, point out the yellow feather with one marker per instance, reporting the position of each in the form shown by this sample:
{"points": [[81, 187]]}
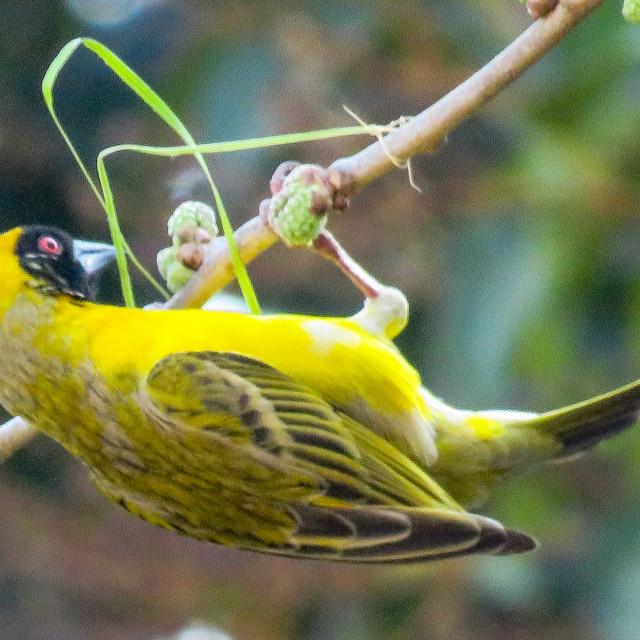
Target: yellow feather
{"points": [[288, 434]]}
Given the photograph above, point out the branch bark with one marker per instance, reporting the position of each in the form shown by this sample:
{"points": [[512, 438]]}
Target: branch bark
{"points": [[424, 132], [421, 134]]}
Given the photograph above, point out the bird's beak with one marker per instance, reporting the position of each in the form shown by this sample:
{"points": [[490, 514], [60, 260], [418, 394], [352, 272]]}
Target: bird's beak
{"points": [[93, 256]]}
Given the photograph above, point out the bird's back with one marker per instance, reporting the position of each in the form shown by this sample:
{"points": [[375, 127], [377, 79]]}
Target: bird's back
{"points": [[362, 376]]}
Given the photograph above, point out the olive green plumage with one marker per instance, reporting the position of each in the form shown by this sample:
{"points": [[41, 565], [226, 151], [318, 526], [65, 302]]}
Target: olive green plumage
{"points": [[297, 436]]}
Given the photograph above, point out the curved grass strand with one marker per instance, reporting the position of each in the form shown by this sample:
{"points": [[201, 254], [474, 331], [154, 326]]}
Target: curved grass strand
{"points": [[149, 97], [241, 145], [154, 283], [153, 100]]}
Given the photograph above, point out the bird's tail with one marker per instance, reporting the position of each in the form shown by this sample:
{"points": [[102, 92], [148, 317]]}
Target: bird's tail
{"points": [[477, 450], [581, 426]]}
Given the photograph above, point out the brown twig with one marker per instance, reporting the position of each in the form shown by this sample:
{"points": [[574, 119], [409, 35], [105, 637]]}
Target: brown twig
{"points": [[421, 134], [424, 132]]}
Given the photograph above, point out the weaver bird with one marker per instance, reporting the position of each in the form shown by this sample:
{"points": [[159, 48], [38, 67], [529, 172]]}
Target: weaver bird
{"points": [[299, 436]]}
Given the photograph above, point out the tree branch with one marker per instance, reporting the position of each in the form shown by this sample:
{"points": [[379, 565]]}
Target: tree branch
{"points": [[424, 132], [421, 134]]}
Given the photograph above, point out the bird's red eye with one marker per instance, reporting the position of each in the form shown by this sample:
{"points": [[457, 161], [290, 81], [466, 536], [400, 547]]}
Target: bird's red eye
{"points": [[49, 245]]}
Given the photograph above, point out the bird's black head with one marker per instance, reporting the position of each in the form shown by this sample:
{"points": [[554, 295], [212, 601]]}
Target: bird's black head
{"points": [[60, 264]]}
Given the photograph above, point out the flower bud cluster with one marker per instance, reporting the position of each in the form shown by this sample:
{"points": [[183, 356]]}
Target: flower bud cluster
{"points": [[191, 226]]}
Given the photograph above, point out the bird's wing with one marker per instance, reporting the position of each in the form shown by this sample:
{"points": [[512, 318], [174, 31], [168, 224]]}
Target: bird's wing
{"points": [[343, 492]]}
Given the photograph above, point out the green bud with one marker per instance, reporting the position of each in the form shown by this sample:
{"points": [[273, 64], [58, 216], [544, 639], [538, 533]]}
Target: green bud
{"points": [[631, 11], [174, 273], [291, 215], [198, 213], [177, 276], [187, 219], [172, 270], [163, 259]]}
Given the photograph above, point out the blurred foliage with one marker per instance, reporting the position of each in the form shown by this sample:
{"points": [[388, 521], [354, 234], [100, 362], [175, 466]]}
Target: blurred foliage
{"points": [[521, 259]]}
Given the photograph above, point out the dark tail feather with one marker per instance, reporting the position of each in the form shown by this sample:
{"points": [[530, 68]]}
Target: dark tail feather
{"points": [[384, 535], [494, 539], [581, 426]]}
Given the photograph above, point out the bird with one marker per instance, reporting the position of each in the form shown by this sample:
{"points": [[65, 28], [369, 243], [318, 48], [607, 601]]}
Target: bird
{"points": [[299, 436]]}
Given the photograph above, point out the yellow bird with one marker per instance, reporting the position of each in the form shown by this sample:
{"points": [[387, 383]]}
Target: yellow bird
{"points": [[292, 435]]}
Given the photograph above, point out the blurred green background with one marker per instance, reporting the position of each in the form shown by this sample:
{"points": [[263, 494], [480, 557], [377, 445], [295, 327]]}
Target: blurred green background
{"points": [[521, 260]]}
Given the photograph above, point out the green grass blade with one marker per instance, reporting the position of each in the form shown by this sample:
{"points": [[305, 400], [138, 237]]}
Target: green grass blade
{"points": [[242, 145], [132, 256], [153, 100], [48, 83], [116, 235]]}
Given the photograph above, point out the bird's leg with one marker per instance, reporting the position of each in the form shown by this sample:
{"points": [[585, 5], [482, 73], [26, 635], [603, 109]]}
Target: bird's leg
{"points": [[303, 196], [386, 309], [328, 247], [14, 433]]}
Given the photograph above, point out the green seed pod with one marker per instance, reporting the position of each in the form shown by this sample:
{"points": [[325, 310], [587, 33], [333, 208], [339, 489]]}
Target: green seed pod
{"points": [[291, 213], [190, 226], [164, 259], [197, 213], [172, 270], [177, 276]]}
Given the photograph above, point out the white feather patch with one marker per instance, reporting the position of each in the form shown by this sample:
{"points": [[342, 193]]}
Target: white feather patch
{"points": [[327, 336]]}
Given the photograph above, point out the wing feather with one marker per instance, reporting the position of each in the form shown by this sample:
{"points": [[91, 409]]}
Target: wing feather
{"points": [[335, 489]]}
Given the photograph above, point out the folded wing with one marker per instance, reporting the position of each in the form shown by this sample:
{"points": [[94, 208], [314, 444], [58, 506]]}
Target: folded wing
{"points": [[302, 479]]}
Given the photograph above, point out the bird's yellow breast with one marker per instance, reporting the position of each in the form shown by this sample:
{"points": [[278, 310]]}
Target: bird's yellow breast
{"points": [[333, 356], [360, 374]]}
